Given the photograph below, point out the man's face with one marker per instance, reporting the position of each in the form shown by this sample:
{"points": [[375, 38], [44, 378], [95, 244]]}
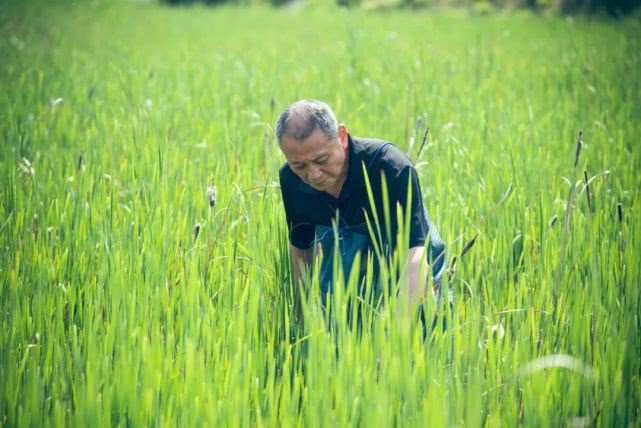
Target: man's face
{"points": [[317, 160]]}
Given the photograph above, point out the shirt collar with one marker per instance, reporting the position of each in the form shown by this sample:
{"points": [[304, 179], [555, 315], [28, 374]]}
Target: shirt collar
{"points": [[355, 179], [306, 188]]}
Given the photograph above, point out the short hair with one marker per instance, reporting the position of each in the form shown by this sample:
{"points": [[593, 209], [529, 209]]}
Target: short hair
{"points": [[302, 118]]}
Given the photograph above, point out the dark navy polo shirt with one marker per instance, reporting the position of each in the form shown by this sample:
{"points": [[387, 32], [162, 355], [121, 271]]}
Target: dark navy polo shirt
{"points": [[306, 207]]}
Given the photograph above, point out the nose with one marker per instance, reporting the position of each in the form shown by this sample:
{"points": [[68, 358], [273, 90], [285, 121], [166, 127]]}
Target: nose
{"points": [[315, 174]]}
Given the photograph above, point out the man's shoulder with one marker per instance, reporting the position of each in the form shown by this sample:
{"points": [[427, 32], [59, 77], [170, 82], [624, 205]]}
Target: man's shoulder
{"points": [[382, 154]]}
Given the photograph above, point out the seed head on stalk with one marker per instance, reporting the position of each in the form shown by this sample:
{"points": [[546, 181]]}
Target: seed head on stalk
{"points": [[587, 188], [621, 239], [469, 245], [568, 217], [34, 225], [196, 231], [466, 249], [211, 195], [620, 212], [420, 149], [452, 269], [498, 331], [579, 147], [418, 125]]}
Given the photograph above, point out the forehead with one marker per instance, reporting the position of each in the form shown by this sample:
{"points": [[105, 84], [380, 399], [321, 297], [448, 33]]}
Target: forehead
{"points": [[309, 149]]}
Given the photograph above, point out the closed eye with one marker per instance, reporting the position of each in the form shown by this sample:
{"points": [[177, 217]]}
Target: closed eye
{"points": [[321, 160]]}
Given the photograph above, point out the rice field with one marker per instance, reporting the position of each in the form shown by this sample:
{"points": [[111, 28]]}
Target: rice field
{"points": [[131, 295]]}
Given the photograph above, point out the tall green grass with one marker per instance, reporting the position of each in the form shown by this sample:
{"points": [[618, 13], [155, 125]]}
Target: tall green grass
{"points": [[115, 119]]}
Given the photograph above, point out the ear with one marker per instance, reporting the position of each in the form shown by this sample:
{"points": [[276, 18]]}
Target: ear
{"points": [[342, 135]]}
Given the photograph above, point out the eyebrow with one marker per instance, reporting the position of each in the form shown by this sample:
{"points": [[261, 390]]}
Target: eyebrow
{"points": [[316, 159]]}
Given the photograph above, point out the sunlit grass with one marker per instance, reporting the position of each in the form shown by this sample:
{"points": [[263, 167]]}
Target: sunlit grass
{"points": [[116, 119]]}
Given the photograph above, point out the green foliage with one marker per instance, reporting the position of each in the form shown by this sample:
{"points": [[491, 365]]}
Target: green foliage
{"points": [[481, 7], [116, 119]]}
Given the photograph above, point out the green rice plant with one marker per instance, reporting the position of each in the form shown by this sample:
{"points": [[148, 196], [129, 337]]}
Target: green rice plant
{"points": [[118, 117]]}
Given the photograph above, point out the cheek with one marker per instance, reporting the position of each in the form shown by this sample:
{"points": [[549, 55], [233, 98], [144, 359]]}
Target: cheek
{"points": [[336, 167]]}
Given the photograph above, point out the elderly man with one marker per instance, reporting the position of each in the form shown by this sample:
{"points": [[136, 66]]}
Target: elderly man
{"points": [[324, 183]]}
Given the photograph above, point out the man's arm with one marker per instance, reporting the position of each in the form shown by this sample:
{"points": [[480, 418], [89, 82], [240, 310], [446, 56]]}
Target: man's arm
{"points": [[302, 261], [422, 234], [416, 272]]}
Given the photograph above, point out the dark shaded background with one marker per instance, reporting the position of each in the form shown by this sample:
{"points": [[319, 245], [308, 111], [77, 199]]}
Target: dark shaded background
{"points": [[610, 7]]}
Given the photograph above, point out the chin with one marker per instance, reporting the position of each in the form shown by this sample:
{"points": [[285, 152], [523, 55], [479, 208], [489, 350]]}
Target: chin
{"points": [[321, 186]]}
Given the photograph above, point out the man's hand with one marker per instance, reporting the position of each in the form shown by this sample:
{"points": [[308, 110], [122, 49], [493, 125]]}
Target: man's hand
{"points": [[416, 273], [302, 261]]}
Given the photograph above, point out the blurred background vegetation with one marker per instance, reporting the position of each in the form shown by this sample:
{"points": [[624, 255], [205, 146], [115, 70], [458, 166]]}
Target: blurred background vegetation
{"points": [[592, 7]]}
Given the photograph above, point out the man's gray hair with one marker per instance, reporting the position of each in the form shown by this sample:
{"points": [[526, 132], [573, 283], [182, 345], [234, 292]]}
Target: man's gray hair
{"points": [[302, 118]]}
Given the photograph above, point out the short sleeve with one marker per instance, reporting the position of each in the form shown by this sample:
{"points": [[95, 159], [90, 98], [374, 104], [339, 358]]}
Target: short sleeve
{"points": [[407, 179], [301, 233]]}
